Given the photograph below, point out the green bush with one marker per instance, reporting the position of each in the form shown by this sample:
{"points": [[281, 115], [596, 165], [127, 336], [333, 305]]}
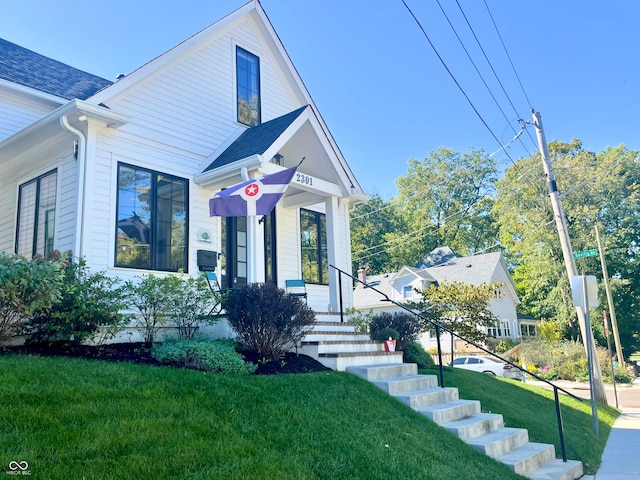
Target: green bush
{"points": [[199, 354], [415, 353], [26, 286], [385, 334], [191, 303], [89, 303], [266, 319], [407, 325]]}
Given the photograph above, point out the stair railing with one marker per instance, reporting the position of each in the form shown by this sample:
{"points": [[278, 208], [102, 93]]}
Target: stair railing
{"points": [[439, 328]]}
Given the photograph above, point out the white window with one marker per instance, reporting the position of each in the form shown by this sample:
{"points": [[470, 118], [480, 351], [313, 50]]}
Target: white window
{"points": [[407, 291]]}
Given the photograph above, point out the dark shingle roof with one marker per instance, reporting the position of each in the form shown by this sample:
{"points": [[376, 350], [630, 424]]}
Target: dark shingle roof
{"points": [[30, 69], [256, 140]]}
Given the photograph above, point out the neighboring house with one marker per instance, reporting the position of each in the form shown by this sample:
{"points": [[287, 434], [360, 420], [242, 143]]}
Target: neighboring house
{"points": [[440, 266], [121, 172]]}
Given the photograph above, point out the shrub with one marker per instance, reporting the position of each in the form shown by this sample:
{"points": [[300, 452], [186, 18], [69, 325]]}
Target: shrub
{"points": [[218, 357], [407, 325], [88, 303], [266, 319], [415, 353], [191, 303], [151, 298], [26, 286], [385, 334]]}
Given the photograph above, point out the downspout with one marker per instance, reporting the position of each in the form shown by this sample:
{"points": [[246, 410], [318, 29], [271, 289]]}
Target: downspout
{"points": [[82, 141]]}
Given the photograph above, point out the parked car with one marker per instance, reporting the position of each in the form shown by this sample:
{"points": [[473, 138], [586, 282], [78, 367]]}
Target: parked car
{"points": [[487, 365]]}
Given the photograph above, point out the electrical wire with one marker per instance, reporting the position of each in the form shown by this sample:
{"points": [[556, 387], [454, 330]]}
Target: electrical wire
{"points": [[424, 33]]}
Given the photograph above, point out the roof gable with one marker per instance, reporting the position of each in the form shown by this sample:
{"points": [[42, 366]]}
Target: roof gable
{"points": [[24, 67]]}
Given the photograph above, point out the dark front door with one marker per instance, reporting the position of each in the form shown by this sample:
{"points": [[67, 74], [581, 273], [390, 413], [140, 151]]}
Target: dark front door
{"points": [[234, 261], [234, 241]]}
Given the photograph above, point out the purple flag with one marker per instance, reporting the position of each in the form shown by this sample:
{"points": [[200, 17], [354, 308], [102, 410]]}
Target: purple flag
{"points": [[255, 197]]}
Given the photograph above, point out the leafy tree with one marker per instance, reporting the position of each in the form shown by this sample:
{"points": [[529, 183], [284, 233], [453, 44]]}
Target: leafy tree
{"points": [[406, 324], [372, 226], [191, 303], [446, 199], [26, 286], [460, 307], [602, 188]]}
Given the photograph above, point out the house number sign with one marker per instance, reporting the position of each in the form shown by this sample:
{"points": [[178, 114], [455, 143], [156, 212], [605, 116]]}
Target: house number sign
{"points": [[303, 179]]}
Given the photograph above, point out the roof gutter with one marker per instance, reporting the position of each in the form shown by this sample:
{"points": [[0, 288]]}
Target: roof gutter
{"points": [[82, 147]]}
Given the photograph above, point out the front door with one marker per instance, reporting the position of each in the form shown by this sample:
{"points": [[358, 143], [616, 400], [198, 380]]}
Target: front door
{"points": [[234, 241]]}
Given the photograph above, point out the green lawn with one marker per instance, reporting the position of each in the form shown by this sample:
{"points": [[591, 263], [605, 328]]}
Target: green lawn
{"points": [[73, 418]]}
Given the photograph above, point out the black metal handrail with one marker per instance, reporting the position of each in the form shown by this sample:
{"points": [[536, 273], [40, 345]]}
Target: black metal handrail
{"points": [[439, 327]]}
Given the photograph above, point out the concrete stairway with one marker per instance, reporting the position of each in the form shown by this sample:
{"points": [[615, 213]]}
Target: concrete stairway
{"points": [[337, 345], [483, 431]]}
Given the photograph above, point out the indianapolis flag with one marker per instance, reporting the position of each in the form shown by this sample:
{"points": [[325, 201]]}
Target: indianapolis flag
{"points": [[255, 197]]}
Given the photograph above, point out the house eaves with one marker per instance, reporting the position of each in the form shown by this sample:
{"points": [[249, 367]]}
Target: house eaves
{"points": [[49, 125]]}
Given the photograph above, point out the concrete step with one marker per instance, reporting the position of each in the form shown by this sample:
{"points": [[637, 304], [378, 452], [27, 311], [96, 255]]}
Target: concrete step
{"points": [[419, 399], [399, 385], [333, 327], [342, 361], [339, 346], [528, 458], [558, 470], [500, 442], [443, 413], [475, 425], [378, 372], [333, 335]]}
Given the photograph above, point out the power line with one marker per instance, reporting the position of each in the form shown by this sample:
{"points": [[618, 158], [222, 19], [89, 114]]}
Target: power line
{"points": [[486, 57], [454, 78]]}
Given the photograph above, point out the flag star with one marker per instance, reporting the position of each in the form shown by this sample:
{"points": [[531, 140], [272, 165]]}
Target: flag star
{"points": [[251, 190]]}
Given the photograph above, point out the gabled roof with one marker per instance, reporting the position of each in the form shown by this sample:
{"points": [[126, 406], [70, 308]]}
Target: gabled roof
{"points": [[24, 67], [476, 269], [256, 140], [421, 274]]}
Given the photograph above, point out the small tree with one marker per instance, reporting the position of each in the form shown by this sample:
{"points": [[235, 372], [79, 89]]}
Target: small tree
{"points": [[151, 297], [26, 286], [461, 307], [266, 319], [88, 303], [192, 302]]}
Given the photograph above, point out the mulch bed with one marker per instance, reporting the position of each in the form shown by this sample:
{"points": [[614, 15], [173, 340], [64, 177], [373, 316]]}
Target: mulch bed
{"points": [[141, 353]]}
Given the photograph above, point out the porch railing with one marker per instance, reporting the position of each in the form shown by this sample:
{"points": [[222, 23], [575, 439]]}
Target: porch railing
{"points": [[440, 328]]}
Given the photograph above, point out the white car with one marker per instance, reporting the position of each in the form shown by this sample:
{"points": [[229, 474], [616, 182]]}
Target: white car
{"points": [[487, 365]]}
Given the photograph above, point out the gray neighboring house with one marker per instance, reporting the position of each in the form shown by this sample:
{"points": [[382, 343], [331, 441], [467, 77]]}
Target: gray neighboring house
{"points": [[444, 265]]}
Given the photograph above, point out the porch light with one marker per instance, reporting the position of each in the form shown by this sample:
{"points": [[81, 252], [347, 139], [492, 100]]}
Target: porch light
{"points": [[277, 159]]}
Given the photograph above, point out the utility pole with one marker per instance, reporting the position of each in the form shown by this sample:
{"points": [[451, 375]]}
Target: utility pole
{"points": [[567, 253], [612, 312]]}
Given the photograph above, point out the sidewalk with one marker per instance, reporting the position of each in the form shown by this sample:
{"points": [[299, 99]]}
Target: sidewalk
{"points": [[621, 456]]}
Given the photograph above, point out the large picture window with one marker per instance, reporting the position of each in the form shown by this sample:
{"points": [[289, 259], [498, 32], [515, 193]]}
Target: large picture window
{"points": [[36, 216], [152, 220], [248, 87], [313, 244]]}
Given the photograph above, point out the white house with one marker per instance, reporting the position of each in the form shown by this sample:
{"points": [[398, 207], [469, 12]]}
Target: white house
{"points": [[443, 265], [121, 172]]}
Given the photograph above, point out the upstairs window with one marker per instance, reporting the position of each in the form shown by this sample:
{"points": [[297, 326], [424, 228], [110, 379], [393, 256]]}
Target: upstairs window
{"points": [[36, 216], [248, 87], [407, 291], [152, 220], [313, 244]]}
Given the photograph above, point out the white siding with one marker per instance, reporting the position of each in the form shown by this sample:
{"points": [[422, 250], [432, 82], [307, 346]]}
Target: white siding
{"points": [[18, 111]]}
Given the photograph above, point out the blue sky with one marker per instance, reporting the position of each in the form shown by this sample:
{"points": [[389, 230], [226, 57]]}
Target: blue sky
{"points": [[376, 81]]}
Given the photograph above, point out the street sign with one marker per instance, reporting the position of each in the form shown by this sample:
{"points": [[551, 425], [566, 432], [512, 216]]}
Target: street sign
{"points": [[587, 253]]}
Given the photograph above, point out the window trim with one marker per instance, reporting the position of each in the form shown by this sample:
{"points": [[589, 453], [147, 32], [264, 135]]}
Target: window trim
{"points": [[239, 49], [152, 229], [34, 243]]}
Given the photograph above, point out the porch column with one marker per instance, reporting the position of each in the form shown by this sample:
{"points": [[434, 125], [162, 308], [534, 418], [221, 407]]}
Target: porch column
{"points": [[333, 231]]}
